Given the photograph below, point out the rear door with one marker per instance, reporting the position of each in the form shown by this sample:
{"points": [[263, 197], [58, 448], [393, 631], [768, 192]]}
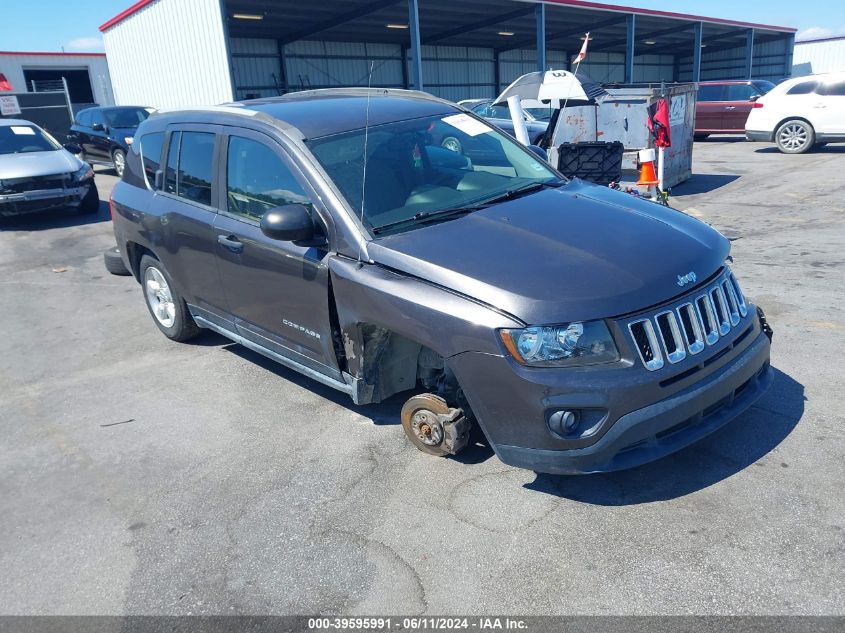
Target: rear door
{"points": [[738, 103], [709, 108], [185, 207], [829, 108], [277, 292]]}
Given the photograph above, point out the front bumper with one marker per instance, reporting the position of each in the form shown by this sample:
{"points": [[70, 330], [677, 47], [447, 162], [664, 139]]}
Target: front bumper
{"points": [[645, 419], [757, 135], [43, 199]]}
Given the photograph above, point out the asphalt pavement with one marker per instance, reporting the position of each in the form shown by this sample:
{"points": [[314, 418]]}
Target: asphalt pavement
{"points": [[141, 476]]}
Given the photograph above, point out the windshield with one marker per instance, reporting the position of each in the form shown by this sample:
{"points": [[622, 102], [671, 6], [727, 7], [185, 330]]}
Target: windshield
{"points": [[540, 114], [426, 165], [126, 117], [22, 139]]}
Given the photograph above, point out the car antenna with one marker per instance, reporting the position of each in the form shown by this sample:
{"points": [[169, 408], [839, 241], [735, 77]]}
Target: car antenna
{"points": [[366, 138]]}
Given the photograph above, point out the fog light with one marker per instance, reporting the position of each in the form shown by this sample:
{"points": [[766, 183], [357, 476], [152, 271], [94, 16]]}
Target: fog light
{"points": [[563, 422]]}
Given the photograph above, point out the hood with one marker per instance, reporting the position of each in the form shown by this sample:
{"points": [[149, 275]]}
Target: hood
{"points": [[574, 253], [32, 164]]}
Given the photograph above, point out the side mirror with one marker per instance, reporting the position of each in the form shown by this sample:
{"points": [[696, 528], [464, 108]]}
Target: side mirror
{"points": [[289, 223], [73, 148], [540, 152], [753, 97], [97, 127]]}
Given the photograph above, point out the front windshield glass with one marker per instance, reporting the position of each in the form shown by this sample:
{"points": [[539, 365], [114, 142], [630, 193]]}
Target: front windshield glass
{"points": [[540, 114], [22, 139], [427, 165], [126, 117]]}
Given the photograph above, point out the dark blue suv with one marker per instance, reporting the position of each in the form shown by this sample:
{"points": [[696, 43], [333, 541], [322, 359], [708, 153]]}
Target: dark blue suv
{"points": [[104, 134]]}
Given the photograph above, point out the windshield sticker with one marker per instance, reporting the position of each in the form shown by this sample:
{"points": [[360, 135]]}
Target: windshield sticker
{"points": [[536, 167], [466, 124], [22, 131]]}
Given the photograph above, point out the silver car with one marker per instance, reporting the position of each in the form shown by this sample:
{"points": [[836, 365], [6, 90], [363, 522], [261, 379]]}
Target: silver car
{"points": [[38, 174]]}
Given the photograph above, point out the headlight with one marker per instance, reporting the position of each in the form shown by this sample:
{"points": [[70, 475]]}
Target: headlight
{"points": [[127, 140], [85, 172], [564, 345]]}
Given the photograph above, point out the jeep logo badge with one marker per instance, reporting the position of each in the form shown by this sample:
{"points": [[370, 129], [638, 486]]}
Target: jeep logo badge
{"points": [[689, 278]]}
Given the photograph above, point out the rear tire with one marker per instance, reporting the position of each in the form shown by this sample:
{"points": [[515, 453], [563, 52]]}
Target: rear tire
{"points": [[91, 201], [166, 305], [119, 162], [114, 262], [795, 137]]}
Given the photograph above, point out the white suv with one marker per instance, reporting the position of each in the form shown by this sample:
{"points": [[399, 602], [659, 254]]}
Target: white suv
{"points": [[800, 113]]}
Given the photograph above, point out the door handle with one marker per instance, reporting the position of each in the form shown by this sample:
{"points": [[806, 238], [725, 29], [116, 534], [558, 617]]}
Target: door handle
{"points": [[231, 242], [820, 105], [730, 107]]}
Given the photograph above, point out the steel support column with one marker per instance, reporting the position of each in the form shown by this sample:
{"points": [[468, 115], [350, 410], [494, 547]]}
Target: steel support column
{"points": [[497, 73], [631, 23], [790, 49], [416, 52], [696, 52], [540, 14], [749, 53]]}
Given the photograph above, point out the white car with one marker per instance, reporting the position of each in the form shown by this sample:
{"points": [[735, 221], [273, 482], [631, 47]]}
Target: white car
{"points": [[800, 113]]}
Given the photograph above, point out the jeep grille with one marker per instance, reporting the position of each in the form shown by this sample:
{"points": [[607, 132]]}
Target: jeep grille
{"points": [[701, 319]]}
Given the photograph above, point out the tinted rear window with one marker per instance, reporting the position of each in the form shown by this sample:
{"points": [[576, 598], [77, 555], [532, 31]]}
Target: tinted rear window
{"points": [[196, 156], [710, 93]]}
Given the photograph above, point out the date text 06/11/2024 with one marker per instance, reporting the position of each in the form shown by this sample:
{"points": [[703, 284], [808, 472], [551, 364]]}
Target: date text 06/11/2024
{"points": [[417, 624]]}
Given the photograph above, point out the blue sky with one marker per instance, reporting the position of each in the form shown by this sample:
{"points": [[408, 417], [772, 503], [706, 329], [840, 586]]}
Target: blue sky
{"points": [[50, 25]]}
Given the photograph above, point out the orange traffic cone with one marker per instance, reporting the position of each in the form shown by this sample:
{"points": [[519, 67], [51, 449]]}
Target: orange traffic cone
{"points": [[648, 177]]}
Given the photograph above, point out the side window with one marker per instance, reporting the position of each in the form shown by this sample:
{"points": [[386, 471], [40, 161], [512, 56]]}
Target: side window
{"points": [[258, 180], [481, 109], [97, 117], [172, 160], [151, 146], [710, 93], [741, 92], [836, 89], [196, 156], [84, 118], [804, 88]]}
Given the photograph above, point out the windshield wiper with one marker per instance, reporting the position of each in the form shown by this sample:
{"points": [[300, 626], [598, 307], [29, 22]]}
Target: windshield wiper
{"points": [[424, 217]]}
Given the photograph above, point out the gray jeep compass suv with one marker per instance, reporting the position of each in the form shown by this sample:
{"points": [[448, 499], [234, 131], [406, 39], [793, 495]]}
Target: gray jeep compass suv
{"points": [[582, 329]]}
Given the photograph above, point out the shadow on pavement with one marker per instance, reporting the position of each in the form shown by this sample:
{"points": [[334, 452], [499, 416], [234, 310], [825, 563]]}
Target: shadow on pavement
{"points": [[54, 219], [733, 448], [702, 183], [827, 149]]}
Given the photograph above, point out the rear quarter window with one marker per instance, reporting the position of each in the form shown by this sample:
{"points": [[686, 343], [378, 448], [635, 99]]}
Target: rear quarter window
{"points": [[150, 147], [834, 89]]}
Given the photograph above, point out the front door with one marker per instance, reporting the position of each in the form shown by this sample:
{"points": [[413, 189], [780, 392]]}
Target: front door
{"points": [[97, 146], [277, 292]]}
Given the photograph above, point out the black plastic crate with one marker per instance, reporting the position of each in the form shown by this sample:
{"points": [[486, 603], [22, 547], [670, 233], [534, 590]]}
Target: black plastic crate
{"points": [[598, 162]]}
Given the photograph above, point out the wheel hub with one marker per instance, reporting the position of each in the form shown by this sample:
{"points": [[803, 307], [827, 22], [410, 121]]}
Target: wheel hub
{"points": [[427, 427]]}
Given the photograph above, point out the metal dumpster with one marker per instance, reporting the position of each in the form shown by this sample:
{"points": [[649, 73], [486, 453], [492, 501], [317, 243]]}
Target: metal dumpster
{"points": [[623, 117]]}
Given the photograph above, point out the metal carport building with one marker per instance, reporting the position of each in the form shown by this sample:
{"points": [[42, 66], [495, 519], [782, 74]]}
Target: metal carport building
{"points": [[170, 53]]}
